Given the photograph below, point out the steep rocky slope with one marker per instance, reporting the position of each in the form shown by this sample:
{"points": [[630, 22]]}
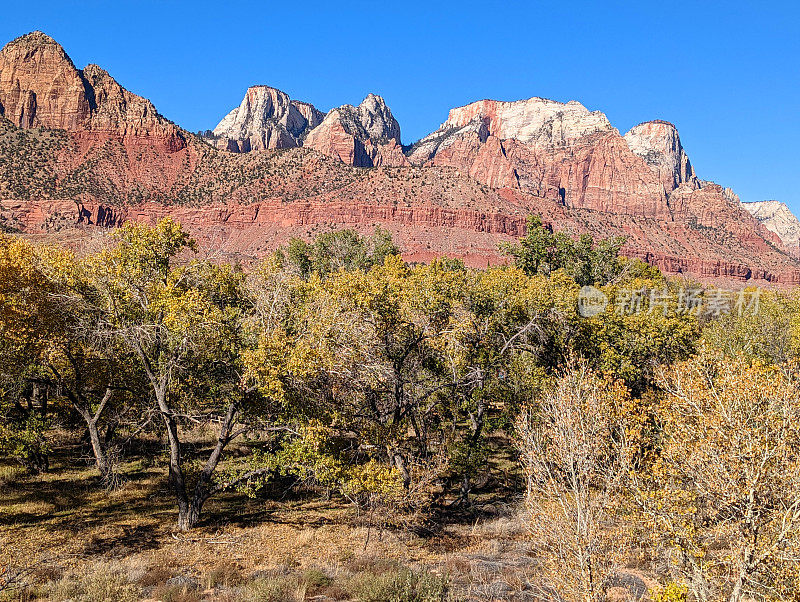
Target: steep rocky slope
{"points": [[40, 87], [562, 152], [658, 143], [266, 118], [778, 218], [78, 150], [365, 136]]}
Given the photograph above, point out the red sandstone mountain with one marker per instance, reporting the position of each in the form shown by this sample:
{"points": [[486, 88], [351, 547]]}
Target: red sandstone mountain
{"points": [[365, 136], [76, 147], [40, 87]]}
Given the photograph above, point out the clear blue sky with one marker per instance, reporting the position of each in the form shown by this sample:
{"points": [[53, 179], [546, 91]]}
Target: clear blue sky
{"points": [[726, 73]]}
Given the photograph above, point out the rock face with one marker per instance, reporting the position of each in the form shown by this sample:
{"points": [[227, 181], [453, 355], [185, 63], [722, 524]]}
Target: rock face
{"points": [[533, 121], [778, 218], [266, 119], [658, 143], [78, 152], [40, 87], [364, 136], [560, 151]]}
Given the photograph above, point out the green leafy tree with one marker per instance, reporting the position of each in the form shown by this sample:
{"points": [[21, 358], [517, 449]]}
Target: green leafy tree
{"points": [[542, 251], [29, 320], [338, 250]]}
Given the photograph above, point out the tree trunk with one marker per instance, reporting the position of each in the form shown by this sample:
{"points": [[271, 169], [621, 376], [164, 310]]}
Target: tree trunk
{"points": [[176, 478], [400, 463], [466, 487], [188, 515], [97, 448], [189, 509], [738, 587], [202, 489], [476, 421]]}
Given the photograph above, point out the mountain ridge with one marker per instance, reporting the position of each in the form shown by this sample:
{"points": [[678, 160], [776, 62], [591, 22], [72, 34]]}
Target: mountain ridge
{"points": [[78, 139]]}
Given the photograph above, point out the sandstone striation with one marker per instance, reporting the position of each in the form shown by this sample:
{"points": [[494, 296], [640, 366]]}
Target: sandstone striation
{"points": [[560, 151], [364, 136], [266, 119], [658, 143], [40, 87], [79, 153], [778, 218], [536, 121]]}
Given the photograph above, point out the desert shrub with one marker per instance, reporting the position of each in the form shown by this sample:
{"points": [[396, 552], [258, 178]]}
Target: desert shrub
{"points": [[399, 585], [315, 578], [176, 593], [94, 584], [226, 574], [275, 588], [155, 575], [573, 442]]}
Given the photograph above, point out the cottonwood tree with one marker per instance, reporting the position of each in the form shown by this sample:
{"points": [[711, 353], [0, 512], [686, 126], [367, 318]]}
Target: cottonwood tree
{"points": [[104, 387], [54, 358], [542, 251], [338, 250], [727, 488], [380, 333], [506, 330], [574, 455], [181, 317], [362, 352]]}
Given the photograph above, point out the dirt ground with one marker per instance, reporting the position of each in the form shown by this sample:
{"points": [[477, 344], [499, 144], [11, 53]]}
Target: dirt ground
{"points": [[65, 538]]}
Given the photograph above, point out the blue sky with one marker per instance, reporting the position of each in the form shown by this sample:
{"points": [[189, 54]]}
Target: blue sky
{"points": [[726, 73]]}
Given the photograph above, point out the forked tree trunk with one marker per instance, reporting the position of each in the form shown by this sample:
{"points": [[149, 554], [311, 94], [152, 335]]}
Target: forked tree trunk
{"points": [[98, 449], [476, 422], [190, 508], [176, 477]]}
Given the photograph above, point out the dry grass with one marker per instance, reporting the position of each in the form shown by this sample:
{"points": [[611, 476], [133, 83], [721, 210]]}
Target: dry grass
{"points": [[88, 545]]}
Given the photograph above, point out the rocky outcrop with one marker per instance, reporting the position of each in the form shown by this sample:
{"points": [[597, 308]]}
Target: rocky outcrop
{"points": [[559, 151], [40, 87], [426, 230], [658, 143], [310, 113], [122, 114], [536, 121], [364, 136], [778, 218], [266, 119]]}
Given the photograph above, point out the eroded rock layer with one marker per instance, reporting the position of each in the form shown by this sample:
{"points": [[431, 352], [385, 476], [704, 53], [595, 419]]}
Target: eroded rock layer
{"points": [[778, 218], [266, 118], [365, 136], [79, 153]]}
